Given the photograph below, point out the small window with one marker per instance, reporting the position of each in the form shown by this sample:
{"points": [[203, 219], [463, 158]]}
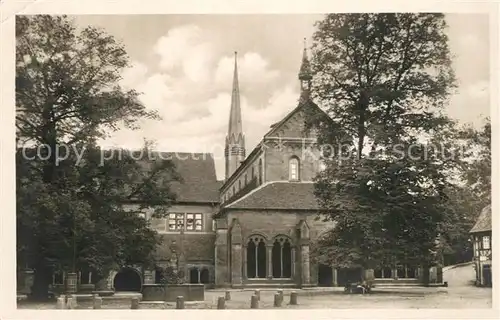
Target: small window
{"points": [[194, 221], [293, 167], [175, 221], [234, 190], [486, 242], [246, 181], [239, 185], [253, 172]]}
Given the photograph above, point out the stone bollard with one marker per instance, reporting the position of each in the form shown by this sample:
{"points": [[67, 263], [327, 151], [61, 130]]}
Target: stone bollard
{"points": [[61, 302], [254, 302], [71, 302], [179, 304], [221, 303], [282, 297], [134, 303], [277, 300], [280, 292], [97, 303], [293, 298], [227, 297], [257, 294]]}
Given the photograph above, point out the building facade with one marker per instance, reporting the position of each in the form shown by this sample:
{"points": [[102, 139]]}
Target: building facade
{"points": [[481, 239]]}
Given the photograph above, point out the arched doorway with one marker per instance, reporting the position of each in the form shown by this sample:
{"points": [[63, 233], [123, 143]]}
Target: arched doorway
{"points": [[194, 275], [204, 276], [325, 275], [128, 279]]}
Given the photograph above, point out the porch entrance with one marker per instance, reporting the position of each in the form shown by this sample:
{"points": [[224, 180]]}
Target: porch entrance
{"points": [[128, 279]]}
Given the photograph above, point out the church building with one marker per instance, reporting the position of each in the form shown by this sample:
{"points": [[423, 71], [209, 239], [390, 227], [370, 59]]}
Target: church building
{"points": [[255, 228]]}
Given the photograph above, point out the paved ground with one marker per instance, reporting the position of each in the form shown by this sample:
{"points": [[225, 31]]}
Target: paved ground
{"points": [[461, 293]]}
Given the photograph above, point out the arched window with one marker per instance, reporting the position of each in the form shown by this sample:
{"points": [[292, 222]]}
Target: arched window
{"points": [[260, 171], [293, 169], [282, 258], [256, 257]]}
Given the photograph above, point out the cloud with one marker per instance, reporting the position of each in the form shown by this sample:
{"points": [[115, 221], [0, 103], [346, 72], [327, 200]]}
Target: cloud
{"points": [[471, 103], [253, 70], [188, 49]]}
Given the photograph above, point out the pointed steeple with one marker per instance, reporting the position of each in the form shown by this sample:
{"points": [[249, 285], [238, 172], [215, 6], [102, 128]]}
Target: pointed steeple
{"points": [[305, 75], [235, 140], [235, 126]]}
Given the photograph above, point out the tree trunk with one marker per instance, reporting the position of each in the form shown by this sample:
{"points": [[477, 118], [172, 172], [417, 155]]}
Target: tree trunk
{"points": [[40, 288], [426, 275], [362, 106]]}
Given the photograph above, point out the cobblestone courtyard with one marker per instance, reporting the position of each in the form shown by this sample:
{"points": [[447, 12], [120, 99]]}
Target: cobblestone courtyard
{"points": [[459, 294]]}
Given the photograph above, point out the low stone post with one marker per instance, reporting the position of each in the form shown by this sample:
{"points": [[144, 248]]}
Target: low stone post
{"points": [[227, 296], [179, 304], [61, 302], [280, 292], [254, 302], [71, 302], [257, 294], [277, 300], [293, 298], [221, 303], [282, 297], [97, 302], [134, 303]]}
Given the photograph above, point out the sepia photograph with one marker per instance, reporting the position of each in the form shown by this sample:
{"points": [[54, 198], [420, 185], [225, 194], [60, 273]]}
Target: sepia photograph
{"points": [[253, 161]]}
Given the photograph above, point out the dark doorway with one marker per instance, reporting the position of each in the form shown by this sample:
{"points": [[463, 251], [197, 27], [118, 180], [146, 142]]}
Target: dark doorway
{"points": [[487, 275], [204, 276], [128, 279], [193, 275], [348, 275], [159, 275], [325, 275]]}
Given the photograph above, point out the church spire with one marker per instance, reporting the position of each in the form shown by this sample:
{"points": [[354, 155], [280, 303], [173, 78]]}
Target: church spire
{"points": [[305, 75], [235, 126], [235, 140]]}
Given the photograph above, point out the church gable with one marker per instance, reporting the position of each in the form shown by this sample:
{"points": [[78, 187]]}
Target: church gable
{"points": [[293, 125]]}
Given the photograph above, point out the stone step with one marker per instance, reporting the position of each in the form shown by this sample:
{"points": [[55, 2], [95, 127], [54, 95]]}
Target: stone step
{"points": [[269, 285], [397, 285]]}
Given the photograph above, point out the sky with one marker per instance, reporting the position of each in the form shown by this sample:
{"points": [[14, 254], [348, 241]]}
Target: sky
{"points": [[183, 65]]}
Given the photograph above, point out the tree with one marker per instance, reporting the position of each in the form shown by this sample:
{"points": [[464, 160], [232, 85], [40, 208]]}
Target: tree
{"points": [[383, 80], [470, 191], [74, 199]]}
